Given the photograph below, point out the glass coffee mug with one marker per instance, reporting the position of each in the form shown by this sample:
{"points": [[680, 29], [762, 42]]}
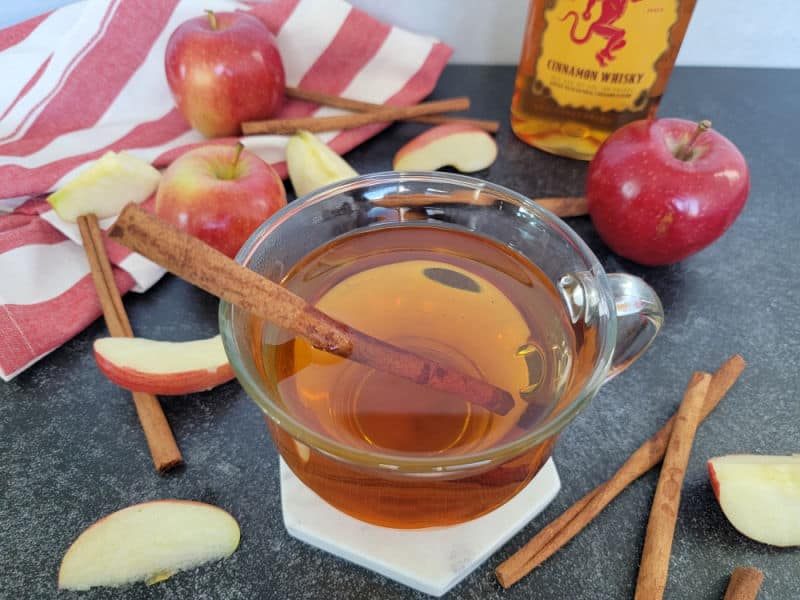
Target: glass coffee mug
{"points": [[415, 259]]}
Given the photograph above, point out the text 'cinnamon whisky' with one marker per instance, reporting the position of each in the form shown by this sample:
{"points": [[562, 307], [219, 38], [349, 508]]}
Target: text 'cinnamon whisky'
{"points": [[590, 66]]}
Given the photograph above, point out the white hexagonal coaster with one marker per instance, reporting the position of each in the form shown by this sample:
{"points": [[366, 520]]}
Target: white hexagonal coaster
{"points": [[429, 560]]}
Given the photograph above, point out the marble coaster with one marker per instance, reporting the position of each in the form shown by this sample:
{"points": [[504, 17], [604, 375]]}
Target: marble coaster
{"points": [[429, 560]]}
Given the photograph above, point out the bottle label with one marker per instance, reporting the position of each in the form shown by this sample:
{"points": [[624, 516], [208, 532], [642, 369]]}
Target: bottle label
{"points": [[602, 54]]}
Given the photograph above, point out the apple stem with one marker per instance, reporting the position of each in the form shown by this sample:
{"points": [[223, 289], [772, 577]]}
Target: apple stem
{"points": [[237, 152], [212, 19], [685, 151]]}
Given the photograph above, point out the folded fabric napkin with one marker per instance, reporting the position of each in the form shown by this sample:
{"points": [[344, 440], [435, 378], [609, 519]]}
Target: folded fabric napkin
{"points": [[89, 77]]}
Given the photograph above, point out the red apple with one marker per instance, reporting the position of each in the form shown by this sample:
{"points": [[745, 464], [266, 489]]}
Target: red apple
{"points": [[223, 69], [661, 190], [220, 194]]}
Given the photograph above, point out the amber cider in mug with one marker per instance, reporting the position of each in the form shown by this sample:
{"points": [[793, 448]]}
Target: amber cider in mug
{"points": [[456, 297], [390, 451]]}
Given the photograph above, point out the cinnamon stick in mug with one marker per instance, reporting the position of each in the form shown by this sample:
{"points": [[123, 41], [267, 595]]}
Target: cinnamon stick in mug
{"points": [[198, 263]]}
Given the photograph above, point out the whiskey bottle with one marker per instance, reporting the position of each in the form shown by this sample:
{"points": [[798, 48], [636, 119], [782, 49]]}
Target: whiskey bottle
{"points": [[590, 66]]}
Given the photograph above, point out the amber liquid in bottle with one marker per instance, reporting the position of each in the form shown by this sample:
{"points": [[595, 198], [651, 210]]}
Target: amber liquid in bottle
{"points": [[590, 66]]}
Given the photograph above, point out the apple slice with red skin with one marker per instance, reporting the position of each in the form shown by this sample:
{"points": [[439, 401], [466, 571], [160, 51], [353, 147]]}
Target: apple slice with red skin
{"points": [[148, 542], [759, 495], [163, 368], [458, 145]]}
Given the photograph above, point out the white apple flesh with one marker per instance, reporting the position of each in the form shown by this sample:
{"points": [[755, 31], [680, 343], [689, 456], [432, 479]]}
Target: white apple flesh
{"points": [[458, 145], [312, 164], [148, 542], [759, 495], [105, 187], [163, 368]]}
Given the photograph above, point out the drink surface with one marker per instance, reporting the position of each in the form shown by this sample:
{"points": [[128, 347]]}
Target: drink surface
{"points": [[455, 297], [590, 66]]}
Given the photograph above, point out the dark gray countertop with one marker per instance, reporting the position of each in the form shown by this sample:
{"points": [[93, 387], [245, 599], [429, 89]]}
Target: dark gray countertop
{"points": [[71, 449]]}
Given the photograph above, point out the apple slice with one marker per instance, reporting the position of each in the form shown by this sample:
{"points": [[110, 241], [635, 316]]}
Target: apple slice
{"points": [[163, 368], [760, 495], [458, 145], [106, 187], [148, 542], [312, 164]]}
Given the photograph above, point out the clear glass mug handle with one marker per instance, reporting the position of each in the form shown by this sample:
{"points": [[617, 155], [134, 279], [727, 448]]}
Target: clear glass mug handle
{"points": [[638, 309], [639, 319]]}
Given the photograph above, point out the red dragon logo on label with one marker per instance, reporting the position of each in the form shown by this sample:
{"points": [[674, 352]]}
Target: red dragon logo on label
{"points": [[603, 26]]}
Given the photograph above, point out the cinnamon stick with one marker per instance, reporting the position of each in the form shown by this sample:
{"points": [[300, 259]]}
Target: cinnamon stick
{"points": [[200, 264], [654, 565], [379, 115], [163, 448], [359, 106], [559, 206], [744, 584], [565, 207], [560, 531], [472, 197]]}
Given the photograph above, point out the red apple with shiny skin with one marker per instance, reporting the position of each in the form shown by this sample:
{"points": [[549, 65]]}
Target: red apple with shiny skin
{"points": [[220, 194], [661, 190], [222, 69]]}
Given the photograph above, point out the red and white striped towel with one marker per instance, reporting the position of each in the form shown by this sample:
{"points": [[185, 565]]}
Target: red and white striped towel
{"points": [[89, 77]]}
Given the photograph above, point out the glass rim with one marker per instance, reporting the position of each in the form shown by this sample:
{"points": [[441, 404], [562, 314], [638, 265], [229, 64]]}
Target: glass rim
{"points": [[433, 465]]}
